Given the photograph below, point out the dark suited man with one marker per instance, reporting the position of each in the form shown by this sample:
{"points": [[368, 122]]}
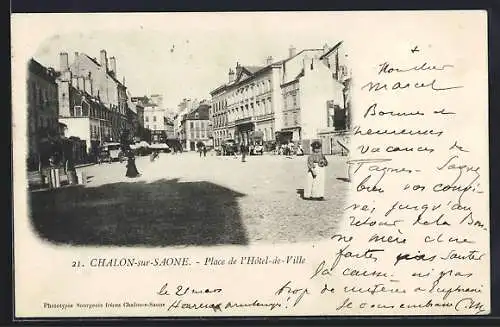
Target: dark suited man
{"points": [[243, 150]]}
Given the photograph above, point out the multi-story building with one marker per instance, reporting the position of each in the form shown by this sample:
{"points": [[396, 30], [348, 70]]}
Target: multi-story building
{"points": [[143, 133], [339, 117], [154, 120], [336, 59], [283, 101], [249, 102], [310, 92], [43, 110], [196, 127], [99, 80], [140, 133], [86, 114]]}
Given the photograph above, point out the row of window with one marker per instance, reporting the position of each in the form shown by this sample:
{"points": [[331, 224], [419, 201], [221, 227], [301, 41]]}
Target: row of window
{"points": [[83, 111], [242, 93], [97, 131], [219, 105], [249, 110], [199, 124], [45, 123], [146, 119], [199, 134], [291, 101], [220, 120], [42, 96], [154, 127], [291, 119]]}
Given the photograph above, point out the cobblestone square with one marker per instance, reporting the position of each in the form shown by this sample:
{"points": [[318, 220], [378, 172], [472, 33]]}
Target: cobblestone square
{"points": [[187, 200]]}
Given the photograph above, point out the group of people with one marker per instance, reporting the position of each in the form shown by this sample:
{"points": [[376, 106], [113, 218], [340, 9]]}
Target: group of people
{"points": [[315, 171], [202, 149], [289, 149]]}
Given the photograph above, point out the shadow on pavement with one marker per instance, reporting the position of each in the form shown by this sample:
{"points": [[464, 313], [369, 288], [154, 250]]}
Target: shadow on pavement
{"points": [[160, 213]]}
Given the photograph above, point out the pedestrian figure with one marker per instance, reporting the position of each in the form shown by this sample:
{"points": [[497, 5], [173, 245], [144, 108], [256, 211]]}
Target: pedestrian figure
{"points": [[300, 152], [132, 171], [204, 151], [71, 172], [235, 150], [315, 179], [243, 150], [54, 181], [154, 155]]}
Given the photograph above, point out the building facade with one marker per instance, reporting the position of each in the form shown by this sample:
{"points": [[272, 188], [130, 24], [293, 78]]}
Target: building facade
{"points": [[43, 110], [154, 120], [81, 108], [196, 127], [335, 137], [183, 108], [98, 81], [292, 100], [311, 95], [249, 102]]}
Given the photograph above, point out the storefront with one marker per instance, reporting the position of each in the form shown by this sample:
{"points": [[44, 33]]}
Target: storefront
{"points": [[289, 135], [334, 142], [244, 128], [257, 138]]}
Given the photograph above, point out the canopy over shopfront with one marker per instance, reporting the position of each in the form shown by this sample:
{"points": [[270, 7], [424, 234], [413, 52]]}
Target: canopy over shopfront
{"points": [[287, 135], [257, 136]]}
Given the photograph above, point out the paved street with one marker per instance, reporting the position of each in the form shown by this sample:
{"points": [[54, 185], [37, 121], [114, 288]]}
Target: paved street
{"points": [[187, 200]]}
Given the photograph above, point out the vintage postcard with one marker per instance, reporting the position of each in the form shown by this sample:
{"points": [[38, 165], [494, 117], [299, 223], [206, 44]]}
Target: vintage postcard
{"points": [[250, 164]]}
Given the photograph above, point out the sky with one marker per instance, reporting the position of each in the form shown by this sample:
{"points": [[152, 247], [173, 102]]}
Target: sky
{"points": [[187, 55]]}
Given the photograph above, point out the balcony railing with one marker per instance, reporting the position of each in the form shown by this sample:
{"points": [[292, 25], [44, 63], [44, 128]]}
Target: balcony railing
{"points": [[264, 116], [243, 120]]}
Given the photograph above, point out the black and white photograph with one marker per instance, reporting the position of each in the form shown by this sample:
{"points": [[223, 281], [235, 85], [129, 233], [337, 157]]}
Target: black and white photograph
{"points": [[138, 138]]}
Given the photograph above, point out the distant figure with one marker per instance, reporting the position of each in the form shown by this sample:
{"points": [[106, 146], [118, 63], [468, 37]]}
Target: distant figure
{"points": [[300, 151], [200, 149], [204, 151], [243, 150], [315, 180], [132, 171], [154, 155], [71, 172]]}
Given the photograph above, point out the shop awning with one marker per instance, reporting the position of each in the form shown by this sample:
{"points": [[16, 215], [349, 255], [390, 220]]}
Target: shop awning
{"points": [[257, 134], [289, 129]]}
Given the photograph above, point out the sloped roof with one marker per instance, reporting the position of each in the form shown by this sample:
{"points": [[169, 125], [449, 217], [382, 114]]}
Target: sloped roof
{"points": [[253, 69], [326, 54], [107, 73], [37, 68]]}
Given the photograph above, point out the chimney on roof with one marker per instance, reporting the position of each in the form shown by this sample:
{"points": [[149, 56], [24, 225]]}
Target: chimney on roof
{"points": [[80, 83], [325, 48], [269, 60], [292, 51], [104, 59], [88, 85], [238, 68], [63, 61], [112, 64], [231, 75]]}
